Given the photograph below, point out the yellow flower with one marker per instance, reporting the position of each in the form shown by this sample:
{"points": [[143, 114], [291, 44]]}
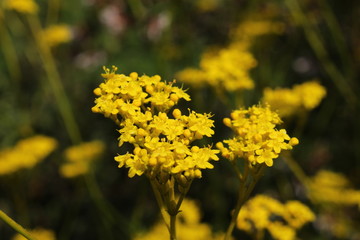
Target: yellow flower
{"points": [[332, 188], [281, 220], [22, 6], [301, 97], [26, 153], [227, 69], [297, 214], [257, 139], [125, 94], [311, 93], [162, 140], [39, 234], [162, 143], [280, 231], [248, 30], [57, 34], [80, 157]]}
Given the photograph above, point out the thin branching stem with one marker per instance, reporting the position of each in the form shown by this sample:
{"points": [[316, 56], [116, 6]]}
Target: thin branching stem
{"points": [[17, 227]]}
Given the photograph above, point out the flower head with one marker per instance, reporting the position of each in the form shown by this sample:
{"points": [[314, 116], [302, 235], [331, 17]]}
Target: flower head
{"points": [[281, 220], [301, 97], [80, 157], [162, 140], [226, 69], [56, 34], [26, 153], [257, 139], [332, 188]]}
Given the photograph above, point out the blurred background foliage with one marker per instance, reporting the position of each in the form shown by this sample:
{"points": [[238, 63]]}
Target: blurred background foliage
{"points": [[319, 41]]}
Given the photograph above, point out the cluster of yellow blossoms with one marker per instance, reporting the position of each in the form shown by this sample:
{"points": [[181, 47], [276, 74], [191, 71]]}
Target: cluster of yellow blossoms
{"points": [[257, 140], [38, 233], [56, 35], [139, 105], [281, 220], [26, 153], [189, 226], [79, 158], [287, 102], [250, 29], [333, 188], [227, 69], [21, 6]]}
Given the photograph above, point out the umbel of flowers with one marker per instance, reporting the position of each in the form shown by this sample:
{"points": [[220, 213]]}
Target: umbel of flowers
{"points": [[255, 145], [140, 106], [281, 220]]}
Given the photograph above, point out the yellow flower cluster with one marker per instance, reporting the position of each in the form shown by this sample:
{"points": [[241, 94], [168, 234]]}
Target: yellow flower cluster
{"points": [[79, 158], [301, 97], [188, 226], [38, 233], [139, 105], [56, 35], [331, 187], [257, 140], [226, 69], [26, 153], [281, 220], [229, 68], [22, 6], [250, 29]]}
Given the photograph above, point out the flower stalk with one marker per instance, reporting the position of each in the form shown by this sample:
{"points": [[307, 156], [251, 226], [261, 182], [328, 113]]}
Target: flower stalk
{"points": [[17, 227]]}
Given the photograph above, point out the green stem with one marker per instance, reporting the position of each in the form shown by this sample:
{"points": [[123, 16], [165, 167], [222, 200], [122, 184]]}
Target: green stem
{"points": [[55, 80], [173, 227], [243, 195], [182, 196], [11, 59], [17, 227], [160, 203]]}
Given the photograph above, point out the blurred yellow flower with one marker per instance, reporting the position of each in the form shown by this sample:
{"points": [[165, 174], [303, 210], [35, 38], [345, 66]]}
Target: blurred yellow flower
{"points": [[21, 6], [281, 220], [80, 157], [207, 5], [332, 188], [227, 69], [38, 233], [287, 102], [56, 35], [250, 29], [26, 153]]}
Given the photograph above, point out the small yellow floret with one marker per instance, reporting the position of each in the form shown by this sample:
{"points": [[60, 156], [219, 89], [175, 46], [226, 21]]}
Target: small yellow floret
{"points": [[227, 122], [97, 91], [294, 141], [134, 75]]}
